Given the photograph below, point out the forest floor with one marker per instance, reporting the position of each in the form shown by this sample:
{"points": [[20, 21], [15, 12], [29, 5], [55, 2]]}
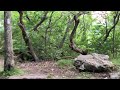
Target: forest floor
{"points": [[51, 70]]}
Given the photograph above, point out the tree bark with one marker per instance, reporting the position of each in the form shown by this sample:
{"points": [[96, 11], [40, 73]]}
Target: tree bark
{"points": [[26, 37], [72, 44], [8, 44], [108, 31], [67, 30], [114, 25]]}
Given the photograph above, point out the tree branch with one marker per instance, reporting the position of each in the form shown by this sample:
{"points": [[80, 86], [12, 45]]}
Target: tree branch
{"points": [[26, 37], [67, 29], [41, 21], [57, 19], [28, 17], [72, 44], [108, 31], [49, 23], [46, 31]]}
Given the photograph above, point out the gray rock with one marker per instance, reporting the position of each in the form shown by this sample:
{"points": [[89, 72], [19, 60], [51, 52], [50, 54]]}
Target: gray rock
{"points": [[115, 75], [100, 56], [93, 62]]}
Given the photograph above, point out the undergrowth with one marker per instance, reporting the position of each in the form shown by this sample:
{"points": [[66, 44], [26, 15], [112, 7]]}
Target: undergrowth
{"points": [[65, 63], [12, 72], [116, 62]]}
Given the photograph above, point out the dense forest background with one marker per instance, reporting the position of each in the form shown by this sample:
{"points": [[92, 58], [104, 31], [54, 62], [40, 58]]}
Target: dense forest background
{"points": [[49, 32], [56, 39]]}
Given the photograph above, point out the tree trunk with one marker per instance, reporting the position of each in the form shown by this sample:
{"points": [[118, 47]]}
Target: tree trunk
{"points": [[113, 49], [72, 44], [8, 44], [114, 25], [26, 38], [46, 31], [67, 30]]}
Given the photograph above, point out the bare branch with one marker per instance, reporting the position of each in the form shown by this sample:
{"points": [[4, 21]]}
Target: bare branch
{"points": [[41, 21], [108, 31], [28, 17], [50, 20]]}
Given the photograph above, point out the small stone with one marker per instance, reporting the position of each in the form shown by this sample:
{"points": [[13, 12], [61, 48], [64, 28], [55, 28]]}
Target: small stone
{"points": [[115, 75], [52, 69]]}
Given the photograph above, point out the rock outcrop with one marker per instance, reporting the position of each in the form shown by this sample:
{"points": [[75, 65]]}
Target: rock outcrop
{"points": [[93, 62]]}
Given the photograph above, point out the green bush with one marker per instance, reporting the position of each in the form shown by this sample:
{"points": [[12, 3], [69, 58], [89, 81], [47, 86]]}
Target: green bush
{"points": [[65, 63], [116, 61], [14, 71]]}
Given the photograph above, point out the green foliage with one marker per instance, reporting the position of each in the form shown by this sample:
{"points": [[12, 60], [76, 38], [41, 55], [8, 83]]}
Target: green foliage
{"points": [[65, 63], [1, 32], [1, 69], [14, 71], [90, 33], [116, 61]]}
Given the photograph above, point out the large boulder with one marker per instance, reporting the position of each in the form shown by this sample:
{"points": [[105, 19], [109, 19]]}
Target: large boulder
{"points": [[93, 62]]}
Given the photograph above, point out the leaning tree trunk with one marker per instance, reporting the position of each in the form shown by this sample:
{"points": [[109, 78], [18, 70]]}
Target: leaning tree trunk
{"points": [[26, 38], [8, 44], [67, 30], [72, 44]]}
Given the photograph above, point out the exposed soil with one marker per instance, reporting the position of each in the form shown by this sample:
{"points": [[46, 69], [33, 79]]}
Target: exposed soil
{"points": [[50, 70]]}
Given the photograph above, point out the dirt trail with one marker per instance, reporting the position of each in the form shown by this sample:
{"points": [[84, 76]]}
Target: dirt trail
{"points": [[50, 70], [46, 69]]}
